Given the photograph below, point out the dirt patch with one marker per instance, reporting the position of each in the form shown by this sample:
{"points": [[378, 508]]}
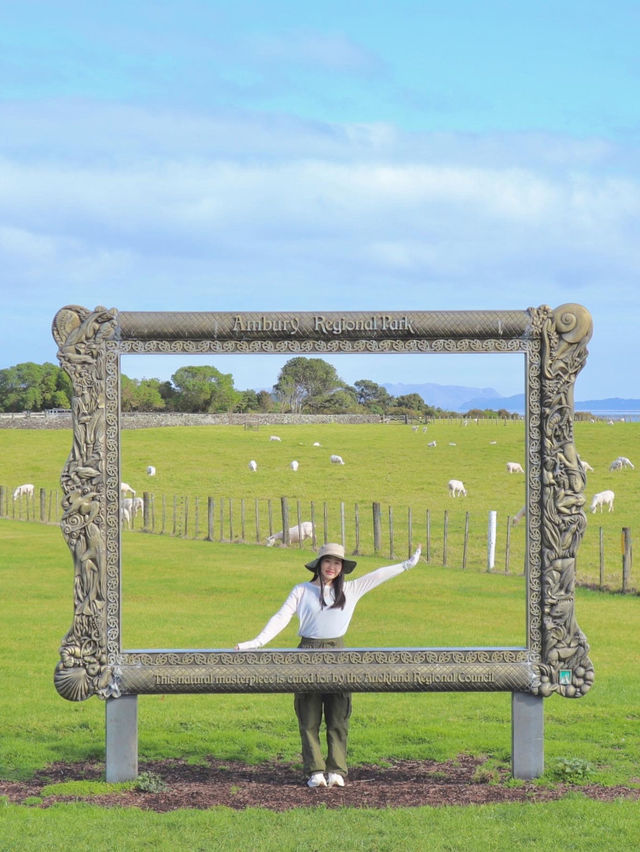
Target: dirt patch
{"points": [[280, 787]]}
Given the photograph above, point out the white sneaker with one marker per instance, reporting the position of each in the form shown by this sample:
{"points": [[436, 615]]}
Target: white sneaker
{"points": [[317, 780], [335, 780]]}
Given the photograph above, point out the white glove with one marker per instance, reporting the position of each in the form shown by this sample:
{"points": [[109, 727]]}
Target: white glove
{"points": [[413, 560]]}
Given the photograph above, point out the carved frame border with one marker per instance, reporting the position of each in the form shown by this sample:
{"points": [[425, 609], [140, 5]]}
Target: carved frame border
{"points": [[555, 658]]}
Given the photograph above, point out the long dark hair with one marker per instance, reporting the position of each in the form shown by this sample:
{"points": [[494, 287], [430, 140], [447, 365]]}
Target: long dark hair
{"points": [[338, 586]]}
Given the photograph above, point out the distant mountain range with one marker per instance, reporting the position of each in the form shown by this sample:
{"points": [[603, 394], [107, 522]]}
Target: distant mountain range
{"points": [[460, 399]]}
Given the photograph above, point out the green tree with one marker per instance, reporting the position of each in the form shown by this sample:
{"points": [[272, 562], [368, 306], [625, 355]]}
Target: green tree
{"points": [[203, 389], [410, 404], [140, 394], [34, 387], [372, 396], [305, 380]]}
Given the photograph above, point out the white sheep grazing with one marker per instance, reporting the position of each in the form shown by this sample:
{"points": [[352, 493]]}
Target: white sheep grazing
{"points": [[601, 499], [514, 467], [126, 489], [296, 534], [456, 488], [151, 471], [515, 520], [620, 462], [316, 443], [25, 490], [253, 465], [452, 444], [274, 438], [133, 505], [336, 460], [584, 464], [125, 516], [293, 465], [432, 444]]}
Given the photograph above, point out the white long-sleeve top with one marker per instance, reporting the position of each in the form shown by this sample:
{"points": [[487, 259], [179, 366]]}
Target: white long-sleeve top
{"points": [[318, 622]]}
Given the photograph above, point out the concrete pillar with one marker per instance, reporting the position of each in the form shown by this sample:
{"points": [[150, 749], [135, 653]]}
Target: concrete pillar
{"points": [[527, 735], [121, 717]]}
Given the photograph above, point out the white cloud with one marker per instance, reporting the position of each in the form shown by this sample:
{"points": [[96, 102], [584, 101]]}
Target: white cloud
{"points": [[197, 212]]}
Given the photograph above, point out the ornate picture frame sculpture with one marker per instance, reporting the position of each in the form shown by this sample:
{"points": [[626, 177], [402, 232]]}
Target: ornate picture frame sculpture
{"points": [[555, 658]]}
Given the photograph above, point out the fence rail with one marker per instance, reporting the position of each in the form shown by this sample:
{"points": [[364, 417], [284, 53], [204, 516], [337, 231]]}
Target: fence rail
{"points": [[448, 538]]}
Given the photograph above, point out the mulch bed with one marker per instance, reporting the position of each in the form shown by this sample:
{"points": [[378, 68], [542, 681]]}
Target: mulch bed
{"points": [[280, 787]]}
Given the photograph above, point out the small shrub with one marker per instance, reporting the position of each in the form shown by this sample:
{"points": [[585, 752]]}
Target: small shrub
{"points": [[572, 770], [150, 782]]}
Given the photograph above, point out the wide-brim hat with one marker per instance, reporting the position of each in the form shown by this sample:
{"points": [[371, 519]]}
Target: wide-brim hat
{"points": [[332, 549]]}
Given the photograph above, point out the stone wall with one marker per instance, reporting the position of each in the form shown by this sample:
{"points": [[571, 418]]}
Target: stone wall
{"points": [[148, 420]]}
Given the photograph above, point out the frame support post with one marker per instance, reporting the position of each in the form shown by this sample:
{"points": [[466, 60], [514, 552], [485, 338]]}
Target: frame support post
{"points": [[527, 735], [122, 738]]}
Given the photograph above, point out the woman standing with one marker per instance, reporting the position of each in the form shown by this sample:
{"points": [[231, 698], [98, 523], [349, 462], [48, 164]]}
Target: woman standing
{"points": [[324, 606]]}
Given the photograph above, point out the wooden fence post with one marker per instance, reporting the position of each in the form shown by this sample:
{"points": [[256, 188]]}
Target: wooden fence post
{"points": [[43, 505], [428, 535], [391, 533], [221, 521], [314, 540], [242, 520], [230, 502], [299, 515], [146, 510], [376, 527], [257, 512], [284, 508], [210, 510], [626, 559], [466, 541], [270, 512], [444, 536], [356, 521], [197, 518]]}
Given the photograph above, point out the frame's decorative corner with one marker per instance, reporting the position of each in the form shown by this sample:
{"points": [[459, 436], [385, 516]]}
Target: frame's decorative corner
{"points": [[565, 668], [83, 669]]}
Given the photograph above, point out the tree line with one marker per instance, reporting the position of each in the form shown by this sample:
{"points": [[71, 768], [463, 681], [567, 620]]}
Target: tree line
{"points": [[304, 386]]}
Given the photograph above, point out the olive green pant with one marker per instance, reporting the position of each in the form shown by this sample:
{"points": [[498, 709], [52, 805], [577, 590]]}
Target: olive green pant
{"points": [[309, 707]]}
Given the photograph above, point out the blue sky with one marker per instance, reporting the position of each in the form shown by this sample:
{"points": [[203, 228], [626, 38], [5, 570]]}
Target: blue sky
{"points": [[329, 156]]}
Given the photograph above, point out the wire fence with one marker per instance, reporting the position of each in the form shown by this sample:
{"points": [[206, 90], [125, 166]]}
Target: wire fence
{"points": [[450, 538]]}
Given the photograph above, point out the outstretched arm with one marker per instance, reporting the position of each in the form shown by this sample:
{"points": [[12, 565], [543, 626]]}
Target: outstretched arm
{"points": [[276, 623], [369, 581]]}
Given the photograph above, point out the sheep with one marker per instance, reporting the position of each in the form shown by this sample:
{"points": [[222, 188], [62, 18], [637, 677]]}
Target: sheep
{"points": [[432, 444], [151, 471], [293, 465], [133, 505], [602, 498], [456, 488], [514, 467], [452, 444], [316, 443], [126, 489], [25, 490], [336, 459], [620, 462], [296, 534], [125, 516], [274, 438], [253, 465], [585, 465]]}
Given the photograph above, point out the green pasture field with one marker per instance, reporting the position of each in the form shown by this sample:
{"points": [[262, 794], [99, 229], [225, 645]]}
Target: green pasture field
{"points": [[596, 736], [387, 463]]}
